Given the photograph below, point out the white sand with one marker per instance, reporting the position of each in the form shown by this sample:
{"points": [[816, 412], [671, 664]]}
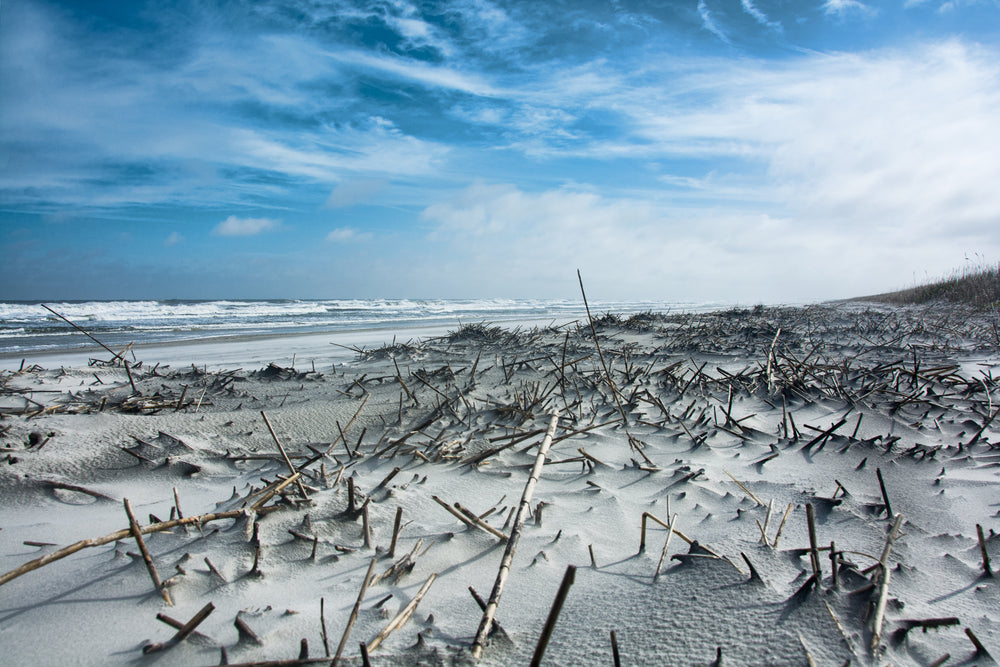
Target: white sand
{"points": [[99, 606]]}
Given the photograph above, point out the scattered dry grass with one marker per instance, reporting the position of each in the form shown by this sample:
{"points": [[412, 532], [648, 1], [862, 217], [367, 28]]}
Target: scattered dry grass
{"points": [[977, 286]]}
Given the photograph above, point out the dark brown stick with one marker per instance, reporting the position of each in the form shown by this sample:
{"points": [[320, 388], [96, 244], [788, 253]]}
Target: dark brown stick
{"points": [[982, 550], [980, 649], [114, 355], [395, 532], [114, 537], [183, 632], [550, 622], [147, 559], [497, 628], [813, 550], [284, 455], [885, 496], [177, 625], [322, 625], [600, 354]]}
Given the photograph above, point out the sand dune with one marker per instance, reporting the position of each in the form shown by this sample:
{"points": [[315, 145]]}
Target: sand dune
{"points": [[732, 427]]}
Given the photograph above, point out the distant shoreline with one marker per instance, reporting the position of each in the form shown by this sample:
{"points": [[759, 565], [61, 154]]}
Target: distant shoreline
{"points": [[223, 347]]}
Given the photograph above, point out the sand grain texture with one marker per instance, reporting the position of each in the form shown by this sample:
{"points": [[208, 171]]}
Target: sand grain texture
{"points": [[729, 418]]}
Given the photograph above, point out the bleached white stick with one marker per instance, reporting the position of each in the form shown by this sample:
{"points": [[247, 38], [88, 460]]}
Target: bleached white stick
{"points": [[666, 546], [515, 532]]}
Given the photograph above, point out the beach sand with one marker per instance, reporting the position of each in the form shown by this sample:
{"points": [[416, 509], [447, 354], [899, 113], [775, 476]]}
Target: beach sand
{"points": [[734, 427]]}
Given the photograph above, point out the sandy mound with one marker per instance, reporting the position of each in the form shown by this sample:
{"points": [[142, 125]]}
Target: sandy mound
{"points": [[737, 426]]}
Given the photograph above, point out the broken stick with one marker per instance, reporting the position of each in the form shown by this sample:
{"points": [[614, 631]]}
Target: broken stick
{"points": [[137, 534]]}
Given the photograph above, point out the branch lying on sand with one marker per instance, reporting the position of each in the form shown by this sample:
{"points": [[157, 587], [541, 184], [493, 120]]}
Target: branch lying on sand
{"points": [[126, 532]]}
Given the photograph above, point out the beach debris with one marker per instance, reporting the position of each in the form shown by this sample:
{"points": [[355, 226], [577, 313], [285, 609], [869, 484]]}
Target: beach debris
{"points": [[885, 495], [671, 529], [745, 489], [183, 632], [903, 627], [496, 628], [515, 532], [147, 559], [813, 546], [400, 619], [981, 651], [987, 571], [550, 622], [715, 390], [245, 632], [614, 649], [179, 625], [354, 612], [284, 456], [115, 356]]}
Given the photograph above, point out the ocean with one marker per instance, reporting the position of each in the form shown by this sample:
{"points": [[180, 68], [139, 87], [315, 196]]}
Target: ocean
{"points": [[26, 327]]}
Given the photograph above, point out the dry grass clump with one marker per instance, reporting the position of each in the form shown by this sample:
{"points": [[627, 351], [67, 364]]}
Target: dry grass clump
{"points": [[393, 351], [977, 286], [641, 321], [482, 333]]}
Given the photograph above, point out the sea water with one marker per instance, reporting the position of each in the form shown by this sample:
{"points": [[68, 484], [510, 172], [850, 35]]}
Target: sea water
{"points": [[27, 327]]}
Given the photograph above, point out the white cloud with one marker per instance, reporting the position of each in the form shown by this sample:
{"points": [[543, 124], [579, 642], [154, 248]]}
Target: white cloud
{"points": [[376, 149], [233, 226], [419, 33], [500, 239], [429, 75], [853, 169], [347, 235], [894, 137], [750, 8], [490, 26], [844, 8], [173, 239], [708, 22]]}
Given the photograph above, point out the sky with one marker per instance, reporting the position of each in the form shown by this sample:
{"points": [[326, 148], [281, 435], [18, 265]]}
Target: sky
{"points": [[742, 151]]}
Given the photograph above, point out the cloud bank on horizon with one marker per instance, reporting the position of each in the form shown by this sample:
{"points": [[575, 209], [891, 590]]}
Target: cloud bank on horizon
{"points": [[731, 150]]}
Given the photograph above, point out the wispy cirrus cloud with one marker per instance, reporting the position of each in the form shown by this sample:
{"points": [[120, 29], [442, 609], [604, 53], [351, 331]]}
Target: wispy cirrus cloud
{"points": [[816, 152], [436, 76], [847, 8], [809, 123], [760, 17], [709, 23]]}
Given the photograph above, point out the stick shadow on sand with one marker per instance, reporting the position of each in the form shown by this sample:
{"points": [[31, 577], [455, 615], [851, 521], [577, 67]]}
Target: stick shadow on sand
{"points": [[703, 413]]}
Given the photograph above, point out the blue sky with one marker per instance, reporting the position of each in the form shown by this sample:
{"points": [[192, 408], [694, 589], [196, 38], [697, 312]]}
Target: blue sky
{"points": [[733, 150]]}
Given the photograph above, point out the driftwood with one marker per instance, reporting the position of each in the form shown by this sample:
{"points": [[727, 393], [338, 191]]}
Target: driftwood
{"points": [[515, 533], [186, 630], [354, 612], [403, 616], [147, 559], [119, 535], [114, 355], [550, 622], [446, 424], [284, 456]]}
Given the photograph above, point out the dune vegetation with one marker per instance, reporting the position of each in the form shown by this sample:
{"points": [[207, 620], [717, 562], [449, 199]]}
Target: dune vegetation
{"points": [[975, 285]]}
